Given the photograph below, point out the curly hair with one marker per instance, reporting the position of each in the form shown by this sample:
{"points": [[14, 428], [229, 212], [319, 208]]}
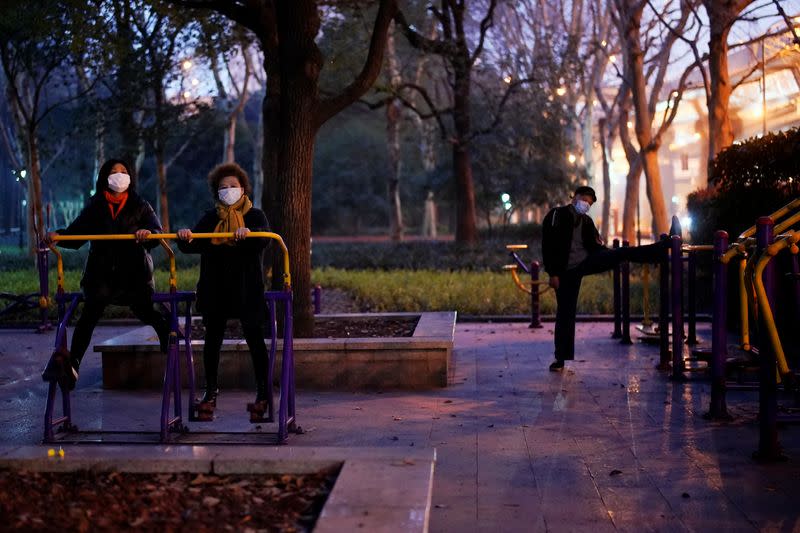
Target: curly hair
{"points": [[228, 169]]}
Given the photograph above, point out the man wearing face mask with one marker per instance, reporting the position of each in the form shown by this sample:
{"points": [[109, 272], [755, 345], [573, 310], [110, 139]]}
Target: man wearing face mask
{"points": [[116, 272], [572, 248], [231, 283]]}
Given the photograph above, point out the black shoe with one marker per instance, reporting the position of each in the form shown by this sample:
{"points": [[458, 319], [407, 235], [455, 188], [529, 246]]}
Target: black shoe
{"points": [[210, 396], [557, 365]]}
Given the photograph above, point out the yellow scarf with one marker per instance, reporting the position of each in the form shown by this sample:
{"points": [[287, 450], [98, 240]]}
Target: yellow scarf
{"points": [[231, 218]]}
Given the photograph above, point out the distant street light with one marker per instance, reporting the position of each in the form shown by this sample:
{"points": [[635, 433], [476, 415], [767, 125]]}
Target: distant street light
{"points": [[571, 158], [187, 64]]}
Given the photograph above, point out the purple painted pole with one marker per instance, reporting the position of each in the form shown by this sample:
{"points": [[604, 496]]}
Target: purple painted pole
{"points": [[768, 447], [719, 331], [42, 264], [625, 299], [691, 295], [617, 299], [663, 310], [317, 299], [676, 265], [535, 320]]}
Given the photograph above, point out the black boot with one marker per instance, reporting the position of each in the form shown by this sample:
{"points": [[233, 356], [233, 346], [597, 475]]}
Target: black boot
{"points": [[258, 408], [210, 396]]}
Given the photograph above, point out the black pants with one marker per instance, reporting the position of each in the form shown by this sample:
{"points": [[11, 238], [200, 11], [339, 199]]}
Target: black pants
{"points": [[253, 334], [569, 285], [92, 311]]}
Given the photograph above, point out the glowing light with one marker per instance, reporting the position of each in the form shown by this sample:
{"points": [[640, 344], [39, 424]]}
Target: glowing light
{"points": [[507, 205], [697, 136], [686, 222], [675, 199], [561, 91], [187, 94], [505, 197], [195, 82], [571, 158], [187, 64], [24, 203], [630, 124], [613, 59], [507, 78], [23, 173], [603, 43]]}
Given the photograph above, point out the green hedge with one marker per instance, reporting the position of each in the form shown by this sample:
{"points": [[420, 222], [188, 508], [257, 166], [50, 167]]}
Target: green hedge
{"points": [[749, 180]]}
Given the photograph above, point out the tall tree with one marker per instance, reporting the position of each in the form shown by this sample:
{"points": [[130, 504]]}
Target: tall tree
{"points": [[35, 57], [453, 47], [293, 113]]}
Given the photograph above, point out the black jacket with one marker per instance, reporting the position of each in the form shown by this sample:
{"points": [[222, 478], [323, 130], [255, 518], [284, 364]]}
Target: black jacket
{"points": [[116, 271], [557, 230], [231, 280]]}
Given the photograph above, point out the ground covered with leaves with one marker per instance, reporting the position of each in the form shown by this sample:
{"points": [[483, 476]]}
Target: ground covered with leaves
{"points": [[115, 501], [338, 327]]}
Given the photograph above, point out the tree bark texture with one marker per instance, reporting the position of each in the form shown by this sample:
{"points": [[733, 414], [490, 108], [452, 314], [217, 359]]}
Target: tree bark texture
{"points": [[634, 58], [721, 15], [393, 116], [163, 199], [466, 217], [36, 225], [604, 221]]}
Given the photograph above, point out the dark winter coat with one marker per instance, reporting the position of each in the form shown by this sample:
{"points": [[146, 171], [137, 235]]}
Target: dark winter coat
{"points": [[117, 272], [231, 280], [557, 231]]}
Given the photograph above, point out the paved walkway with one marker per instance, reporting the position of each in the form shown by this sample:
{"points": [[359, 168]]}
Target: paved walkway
{"points": [[609, 444]]}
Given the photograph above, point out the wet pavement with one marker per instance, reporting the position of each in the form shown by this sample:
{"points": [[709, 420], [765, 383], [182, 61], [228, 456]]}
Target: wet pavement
{"points": [[608, 444]]}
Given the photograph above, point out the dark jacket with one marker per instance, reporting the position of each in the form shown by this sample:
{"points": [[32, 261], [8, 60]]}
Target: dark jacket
{"points": [[116, 271], [231, 280], [557, 231]]}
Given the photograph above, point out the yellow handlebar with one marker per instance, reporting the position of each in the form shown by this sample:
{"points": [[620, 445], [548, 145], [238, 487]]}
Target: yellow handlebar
{"points": [[794, 204], [287, 279]]}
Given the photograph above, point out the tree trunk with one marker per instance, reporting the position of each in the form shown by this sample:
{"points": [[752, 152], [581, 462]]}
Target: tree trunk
{"points": [[466, 225], [604, 221], [36, 225], [230, 139], [721, 15], [393, 109], [644, 135], [301, 61], [163, 201], [258, 163], [631, 205]]}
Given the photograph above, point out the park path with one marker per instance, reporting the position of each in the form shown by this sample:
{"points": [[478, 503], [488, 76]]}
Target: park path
{"points": [[609, 444]]}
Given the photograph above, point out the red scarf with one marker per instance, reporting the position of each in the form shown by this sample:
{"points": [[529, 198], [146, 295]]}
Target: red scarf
{"points": [[115, 201]]}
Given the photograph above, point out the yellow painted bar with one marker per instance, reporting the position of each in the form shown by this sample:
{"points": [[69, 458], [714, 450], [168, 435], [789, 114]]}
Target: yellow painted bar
{"points": [[518, 282], [287, 278], [744, 316], [763, 302], [516, 246], [786, 224], [697, 247], [794, 204]]}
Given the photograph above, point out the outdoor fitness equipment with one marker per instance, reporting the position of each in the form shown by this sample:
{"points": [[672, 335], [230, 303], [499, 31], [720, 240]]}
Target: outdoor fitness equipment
{"points": [[172, 425], [535, 289]]}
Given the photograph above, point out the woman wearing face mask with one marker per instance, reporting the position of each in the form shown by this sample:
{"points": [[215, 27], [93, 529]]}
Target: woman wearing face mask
{"points": [[231, 283], [116, 272], [572, 248]]}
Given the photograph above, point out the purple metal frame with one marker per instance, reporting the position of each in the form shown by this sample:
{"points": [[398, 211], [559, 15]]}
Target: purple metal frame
{"points": [[768, 447], [676, 264], [625, 297], [535, 317], [663, 312], [171, 391], [616, 277], [691, 296], [719, 333]]}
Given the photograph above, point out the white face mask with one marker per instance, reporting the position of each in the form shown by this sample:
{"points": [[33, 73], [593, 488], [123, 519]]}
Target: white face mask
{"points": [[582, 206], [119, 182], [230, 195]]}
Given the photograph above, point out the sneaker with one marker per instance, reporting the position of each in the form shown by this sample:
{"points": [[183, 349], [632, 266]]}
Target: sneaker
{"points": [[557, 365]]}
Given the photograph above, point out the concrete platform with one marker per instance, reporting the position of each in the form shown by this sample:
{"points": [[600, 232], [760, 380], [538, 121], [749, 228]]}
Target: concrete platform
{"points": [[376, 489], [609, 444], [133, 360]]}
